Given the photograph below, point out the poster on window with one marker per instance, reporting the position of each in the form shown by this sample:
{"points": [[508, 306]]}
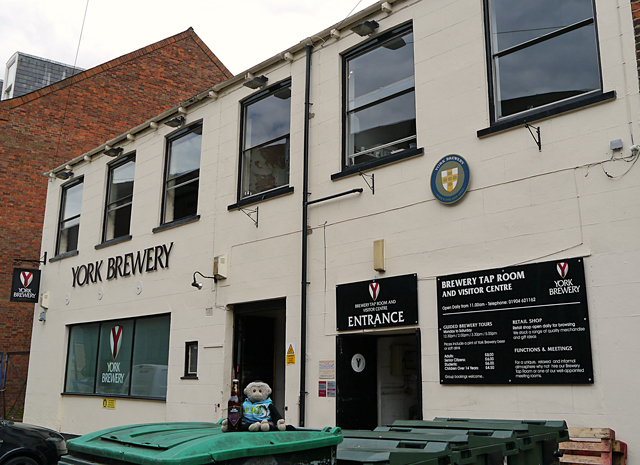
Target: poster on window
{"points": [[524, 324]]}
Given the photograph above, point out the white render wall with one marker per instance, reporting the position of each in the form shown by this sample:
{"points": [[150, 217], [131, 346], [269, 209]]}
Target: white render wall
{"points": [[523, 206]]}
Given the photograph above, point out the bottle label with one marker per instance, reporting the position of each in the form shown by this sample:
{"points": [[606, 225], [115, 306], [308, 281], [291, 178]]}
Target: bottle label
{"points": [[235, 413]]}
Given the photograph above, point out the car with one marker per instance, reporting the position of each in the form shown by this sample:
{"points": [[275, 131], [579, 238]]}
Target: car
{"points": [[22, 444]]}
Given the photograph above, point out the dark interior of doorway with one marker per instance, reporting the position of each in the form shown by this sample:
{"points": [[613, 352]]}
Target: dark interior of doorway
{"points": [[377, 380], [259, 345]]}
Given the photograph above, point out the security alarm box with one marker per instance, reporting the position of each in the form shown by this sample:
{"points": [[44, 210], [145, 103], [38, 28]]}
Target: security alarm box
{"points": [[220, 266]]}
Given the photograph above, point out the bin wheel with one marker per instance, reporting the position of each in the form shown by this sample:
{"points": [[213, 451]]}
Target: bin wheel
{"points": [[21, 460]]}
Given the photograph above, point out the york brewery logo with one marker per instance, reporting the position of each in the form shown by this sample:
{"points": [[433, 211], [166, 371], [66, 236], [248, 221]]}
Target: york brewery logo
{"points": [[25, 285]]}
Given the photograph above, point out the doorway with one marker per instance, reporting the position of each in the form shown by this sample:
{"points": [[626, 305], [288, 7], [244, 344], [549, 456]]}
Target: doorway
{"points": [[259, 346], [377, 380]]}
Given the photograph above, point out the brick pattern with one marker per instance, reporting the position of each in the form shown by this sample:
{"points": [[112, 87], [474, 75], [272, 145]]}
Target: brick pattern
{"points": [[50, 126], [635, 11]]}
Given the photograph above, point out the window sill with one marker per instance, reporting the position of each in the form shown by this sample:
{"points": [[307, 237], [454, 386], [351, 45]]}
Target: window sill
{"points": [[112, 396], [64, 255], [277, 192], [189, 377], [114, 241], [351, 170], [176, 223], [546, 112]]}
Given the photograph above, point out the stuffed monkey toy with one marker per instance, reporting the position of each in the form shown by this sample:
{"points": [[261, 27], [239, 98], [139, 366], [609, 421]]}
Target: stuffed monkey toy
{"points": [[258, 411]]}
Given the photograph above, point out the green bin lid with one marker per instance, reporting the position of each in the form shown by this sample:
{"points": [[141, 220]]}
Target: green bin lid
{"points": [[191, 443]]}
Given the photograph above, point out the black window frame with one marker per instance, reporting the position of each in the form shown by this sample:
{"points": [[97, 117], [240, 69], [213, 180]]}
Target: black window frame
{"points": [[129, 158], [370, 45], [277, 190], [97, 356], [165, 181], [63, 200], [190, 373], [587, 98]]}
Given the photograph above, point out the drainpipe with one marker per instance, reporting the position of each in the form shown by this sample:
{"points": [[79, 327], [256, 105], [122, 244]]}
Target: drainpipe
{"points": [[305, 198]]}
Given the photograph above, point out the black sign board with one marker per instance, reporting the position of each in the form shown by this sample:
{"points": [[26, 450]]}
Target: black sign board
{"points": [[25, 285], [525, 324], [378, 303]]}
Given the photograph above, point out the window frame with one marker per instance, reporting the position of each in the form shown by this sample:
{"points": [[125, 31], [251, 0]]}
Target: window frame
{"points": [[500, 123], [167, 165], [111, 167], [96, 361], [275, 191], [63, 199], [188, 373], [360, 50]]}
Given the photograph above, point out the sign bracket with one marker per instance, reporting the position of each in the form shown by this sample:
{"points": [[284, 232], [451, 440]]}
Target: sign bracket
{"points": [[17, 261]]}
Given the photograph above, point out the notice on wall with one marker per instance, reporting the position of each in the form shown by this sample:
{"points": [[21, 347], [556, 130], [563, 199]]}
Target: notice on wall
{"points": [[525, 324]]}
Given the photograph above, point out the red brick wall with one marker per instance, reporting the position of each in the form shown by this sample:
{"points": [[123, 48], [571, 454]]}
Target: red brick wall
{"points": [[635, 11], [46, 128]]}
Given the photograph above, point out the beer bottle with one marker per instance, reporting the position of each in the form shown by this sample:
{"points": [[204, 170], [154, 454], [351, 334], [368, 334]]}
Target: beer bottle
{"points": [[234, 412]]}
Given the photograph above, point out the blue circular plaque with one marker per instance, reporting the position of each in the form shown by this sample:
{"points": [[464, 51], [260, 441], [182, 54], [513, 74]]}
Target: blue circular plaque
{"points": [[450, 179]]}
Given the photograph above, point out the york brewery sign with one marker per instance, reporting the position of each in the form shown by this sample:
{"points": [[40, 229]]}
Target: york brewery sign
{"points": [[524, 324], [25, 285], [377, 303]]}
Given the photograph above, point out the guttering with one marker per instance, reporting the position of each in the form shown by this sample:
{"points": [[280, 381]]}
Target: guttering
{"points": [[305, 209], [326, 34]]}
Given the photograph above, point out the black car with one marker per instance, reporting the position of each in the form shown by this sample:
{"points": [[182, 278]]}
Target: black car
{"points": [[22, 444]]}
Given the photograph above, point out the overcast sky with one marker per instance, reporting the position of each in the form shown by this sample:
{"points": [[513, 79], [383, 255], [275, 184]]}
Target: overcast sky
{"points": [[241, 33]]}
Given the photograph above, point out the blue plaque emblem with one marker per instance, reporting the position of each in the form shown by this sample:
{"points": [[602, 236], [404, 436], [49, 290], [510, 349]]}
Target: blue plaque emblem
{"points": [[450, 179]]}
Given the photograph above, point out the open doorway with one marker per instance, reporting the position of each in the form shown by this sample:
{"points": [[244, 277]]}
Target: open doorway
{"points": [[377, 380], [259, 345]]}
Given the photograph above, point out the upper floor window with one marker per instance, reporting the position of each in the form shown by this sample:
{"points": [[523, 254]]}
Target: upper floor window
{"points": [[542, 51], [380, 97], [119, 198], [69, 223], [264, 160], [182, 174]]}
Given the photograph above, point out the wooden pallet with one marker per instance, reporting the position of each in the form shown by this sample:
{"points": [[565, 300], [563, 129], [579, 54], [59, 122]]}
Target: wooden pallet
{"points": [[593, 446]]}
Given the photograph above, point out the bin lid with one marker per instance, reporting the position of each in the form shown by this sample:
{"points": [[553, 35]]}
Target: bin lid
{"points": [[191, 443]]}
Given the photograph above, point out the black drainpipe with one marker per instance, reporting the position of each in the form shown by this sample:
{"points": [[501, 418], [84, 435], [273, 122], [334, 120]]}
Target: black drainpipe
{"points": [[305, 198]]}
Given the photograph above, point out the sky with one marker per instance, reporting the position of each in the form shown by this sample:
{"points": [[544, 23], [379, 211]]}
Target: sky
{"points": [[241, 33]]}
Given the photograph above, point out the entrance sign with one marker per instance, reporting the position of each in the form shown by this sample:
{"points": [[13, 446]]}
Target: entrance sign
{"points": [[25, 285], [378, 303], [525, 324]]}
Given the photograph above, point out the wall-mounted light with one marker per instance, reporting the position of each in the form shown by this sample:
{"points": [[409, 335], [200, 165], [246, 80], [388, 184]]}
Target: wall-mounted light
{"points": [[198, 285], [113, 151], [365, 28], [256, 82], [64, 175], [176, 122]]}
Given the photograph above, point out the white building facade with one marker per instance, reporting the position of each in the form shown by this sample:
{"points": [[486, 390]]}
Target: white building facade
{"points": [[470, 232]]}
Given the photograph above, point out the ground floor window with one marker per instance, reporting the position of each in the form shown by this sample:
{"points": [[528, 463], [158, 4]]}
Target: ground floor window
{"points": [[119, 358]]}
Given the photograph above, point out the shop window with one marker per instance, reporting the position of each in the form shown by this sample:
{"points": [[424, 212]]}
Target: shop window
{"points": [[119, 358], [264, 159], [542, 52], [182, 174], [69, 224], [191, 360], [380, 110], [117, 220]]}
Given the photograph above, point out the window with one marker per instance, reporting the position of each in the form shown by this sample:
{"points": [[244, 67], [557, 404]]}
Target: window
{"points": [[119, 358], [182, 174], [69, 225], [191, 360], [117, 220], [264, 161], [542, 51], [380, 98]]}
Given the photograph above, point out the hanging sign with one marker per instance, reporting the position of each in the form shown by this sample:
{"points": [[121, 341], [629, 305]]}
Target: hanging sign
{"points": [[377, 304], [450, 179], [524, 324], [25, 285]]}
